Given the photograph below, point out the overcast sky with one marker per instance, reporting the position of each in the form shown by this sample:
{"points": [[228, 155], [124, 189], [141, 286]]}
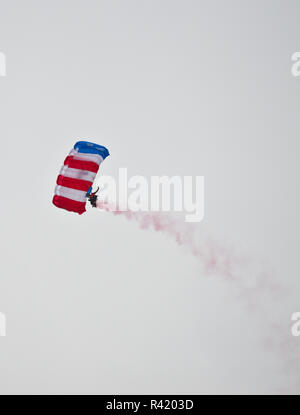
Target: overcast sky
{"points": [[93, 303]]}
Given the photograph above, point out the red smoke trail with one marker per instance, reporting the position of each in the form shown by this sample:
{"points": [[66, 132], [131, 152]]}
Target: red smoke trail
{"points": [[256, 284], [213, 257]]}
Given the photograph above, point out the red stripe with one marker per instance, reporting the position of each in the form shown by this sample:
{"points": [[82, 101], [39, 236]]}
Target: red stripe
{"points": [[74, 183], [69, 204], [81, 164]]}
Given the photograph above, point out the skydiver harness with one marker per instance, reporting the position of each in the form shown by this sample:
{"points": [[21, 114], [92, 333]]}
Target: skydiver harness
{"points": [[92, 197]]}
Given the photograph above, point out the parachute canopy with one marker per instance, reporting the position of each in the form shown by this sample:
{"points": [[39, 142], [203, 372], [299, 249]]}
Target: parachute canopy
{"points": [[77, 176]]}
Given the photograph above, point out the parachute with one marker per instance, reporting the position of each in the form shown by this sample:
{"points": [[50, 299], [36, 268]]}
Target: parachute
{"points": [[77, 175]]}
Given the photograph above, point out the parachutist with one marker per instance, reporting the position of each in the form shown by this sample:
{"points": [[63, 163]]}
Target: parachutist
{"points": [[78, 175], [93, 198]]}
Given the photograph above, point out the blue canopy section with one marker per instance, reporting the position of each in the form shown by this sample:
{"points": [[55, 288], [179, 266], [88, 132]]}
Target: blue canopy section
{"points": [[92, 148]]}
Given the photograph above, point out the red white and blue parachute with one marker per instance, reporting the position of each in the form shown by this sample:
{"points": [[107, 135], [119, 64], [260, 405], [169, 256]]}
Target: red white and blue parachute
{"points": [[77, 175]]}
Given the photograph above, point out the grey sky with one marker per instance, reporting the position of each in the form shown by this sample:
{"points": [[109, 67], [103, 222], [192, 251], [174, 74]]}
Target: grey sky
{"points": [[93, 304]]}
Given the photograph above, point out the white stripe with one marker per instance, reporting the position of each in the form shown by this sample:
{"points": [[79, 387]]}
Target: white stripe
{"points": [[72, 152], [96, 158], [77, 174], [78, 195], [63, 170]]}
